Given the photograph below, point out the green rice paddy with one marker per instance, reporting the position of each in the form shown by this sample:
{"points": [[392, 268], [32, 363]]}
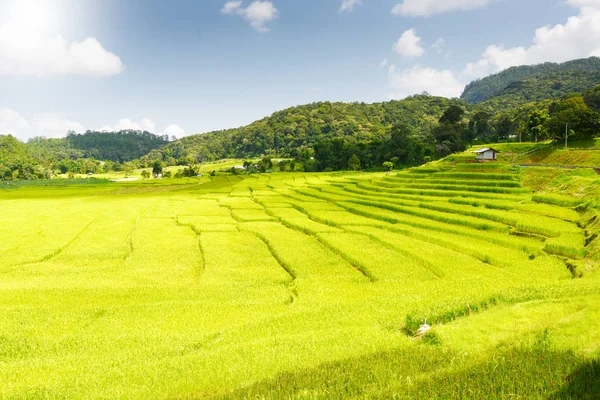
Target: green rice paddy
{"points": [[299, 286]]}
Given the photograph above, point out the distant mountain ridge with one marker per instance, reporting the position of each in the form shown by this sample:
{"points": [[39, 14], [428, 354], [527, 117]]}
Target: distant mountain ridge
{"points": [[483, 89]]}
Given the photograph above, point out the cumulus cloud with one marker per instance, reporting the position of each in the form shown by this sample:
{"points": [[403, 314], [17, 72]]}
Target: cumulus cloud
{"points": [[579, 37], [259, 13], [47, 124], [420, 79], [146, 124], [175, 130], [409, 45], [426, 8], [27, 51], [348, 5], [231, 7], [55, 125], [584, 3], [12, 123]]}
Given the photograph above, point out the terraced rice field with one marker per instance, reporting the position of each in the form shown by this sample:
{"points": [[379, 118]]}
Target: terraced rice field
{"points": [[179, 290]]}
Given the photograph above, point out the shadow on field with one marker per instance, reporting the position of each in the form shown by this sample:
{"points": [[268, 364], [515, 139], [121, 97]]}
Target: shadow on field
{"points": [[430, 372], [583, 383]]}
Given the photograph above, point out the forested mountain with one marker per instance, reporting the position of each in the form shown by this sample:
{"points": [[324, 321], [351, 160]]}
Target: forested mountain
{"points": [[324, 136], [335, 136], [119, 146], [493, 85], [297, 130], [542, 87]]}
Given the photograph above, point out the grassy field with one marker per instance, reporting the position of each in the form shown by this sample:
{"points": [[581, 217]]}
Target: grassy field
{"points": [[581, 153], [303, 286], [204, 168], [578, 157]]}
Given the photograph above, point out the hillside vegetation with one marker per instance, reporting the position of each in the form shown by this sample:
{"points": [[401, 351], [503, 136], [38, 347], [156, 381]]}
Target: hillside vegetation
{"points": [[485, 88], [295, 131], [542, 87], [125, 145], [329, 136]]}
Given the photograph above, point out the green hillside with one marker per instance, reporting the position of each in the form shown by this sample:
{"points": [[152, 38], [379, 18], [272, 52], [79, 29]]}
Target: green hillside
{"points": [[293, 130], [542, 87], [329, 136], [483, 89]]}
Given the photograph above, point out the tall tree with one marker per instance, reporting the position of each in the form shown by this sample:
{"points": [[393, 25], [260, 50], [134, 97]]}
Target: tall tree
{"points": [[354, 162]]}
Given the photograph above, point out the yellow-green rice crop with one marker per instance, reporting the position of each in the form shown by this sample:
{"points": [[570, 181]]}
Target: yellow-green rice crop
{"points": [[264, 286]]}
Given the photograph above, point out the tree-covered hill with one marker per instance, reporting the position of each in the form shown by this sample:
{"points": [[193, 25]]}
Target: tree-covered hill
{"points": [[542, 87], [336, 136], [409, 132], [493, 85], [16, 162], [125, 145], [296, 129], [91, 151]]}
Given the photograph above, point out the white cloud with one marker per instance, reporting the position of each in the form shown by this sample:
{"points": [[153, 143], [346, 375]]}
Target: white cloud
{"points": [[383, 63], [47, 124], [426, 8], [175, 130], [12, 123], [579, 37], [55, 125], [439, 44], [125, 124], [259, 13], [420, 79], [146, 124], [231, 7], [584, 3], [27, 51], [409, 45], [348, 5]]}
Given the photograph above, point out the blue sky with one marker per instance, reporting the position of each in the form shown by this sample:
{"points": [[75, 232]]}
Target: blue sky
{"points": [[185, 67]]}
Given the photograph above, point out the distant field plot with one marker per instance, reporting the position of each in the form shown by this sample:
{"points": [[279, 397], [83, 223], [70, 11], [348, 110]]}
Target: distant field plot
{"points": [[249, 286]]}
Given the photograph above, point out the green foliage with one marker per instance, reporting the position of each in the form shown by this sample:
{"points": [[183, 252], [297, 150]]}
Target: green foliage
{"points": [[15, 163], [326, 136], [592, 98], [583, 123], [293, 132], [189, 172], [542, 87], [157, 168], [354, 162], [530, 83], [119, 146], [535, 124]]}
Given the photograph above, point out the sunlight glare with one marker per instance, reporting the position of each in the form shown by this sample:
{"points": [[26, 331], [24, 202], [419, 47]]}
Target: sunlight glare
{"points": [[37, 15]]}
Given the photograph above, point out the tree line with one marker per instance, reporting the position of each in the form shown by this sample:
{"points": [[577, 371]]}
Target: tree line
{"points": [[321, 136]]}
